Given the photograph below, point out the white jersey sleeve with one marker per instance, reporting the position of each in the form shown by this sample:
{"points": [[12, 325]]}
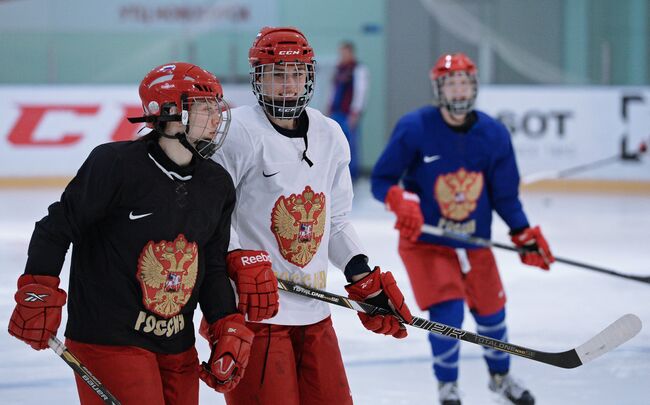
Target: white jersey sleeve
{"points": [[344, 241]]}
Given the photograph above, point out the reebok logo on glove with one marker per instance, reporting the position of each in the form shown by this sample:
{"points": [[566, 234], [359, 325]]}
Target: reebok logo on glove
{"points": [[33, 297], [260, 258], [255, 282]]}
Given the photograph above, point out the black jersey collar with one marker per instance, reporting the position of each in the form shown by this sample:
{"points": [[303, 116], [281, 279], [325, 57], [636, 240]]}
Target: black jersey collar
{"points": [[464, 128], [299, 132], [164, 163]]}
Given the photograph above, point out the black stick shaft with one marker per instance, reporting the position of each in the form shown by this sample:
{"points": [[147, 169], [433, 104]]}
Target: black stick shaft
{"points": [[81, 370], [568, 359], [433, 230]]}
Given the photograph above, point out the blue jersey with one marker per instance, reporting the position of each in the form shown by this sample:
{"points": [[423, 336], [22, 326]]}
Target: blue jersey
{"points": [[460, 177]]}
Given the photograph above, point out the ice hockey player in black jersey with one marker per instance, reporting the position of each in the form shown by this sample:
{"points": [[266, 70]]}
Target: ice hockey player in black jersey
{"points": [[148, 246]]}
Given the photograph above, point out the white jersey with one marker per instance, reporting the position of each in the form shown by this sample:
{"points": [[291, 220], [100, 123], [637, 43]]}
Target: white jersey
{"points": [[298, 213]]}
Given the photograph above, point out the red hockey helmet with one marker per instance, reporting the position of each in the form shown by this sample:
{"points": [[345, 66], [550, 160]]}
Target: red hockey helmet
{"points": [[280, 45], [447, 63], [171, 84], [180, 84], [276, 54], [452, 64]]}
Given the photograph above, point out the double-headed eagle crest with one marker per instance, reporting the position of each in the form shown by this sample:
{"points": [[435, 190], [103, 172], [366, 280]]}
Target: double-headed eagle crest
{"points": [[298, 223], [167, 273], [457, 193]]}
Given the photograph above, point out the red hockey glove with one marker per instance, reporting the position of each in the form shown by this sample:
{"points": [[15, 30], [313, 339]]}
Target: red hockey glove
{"points": [[380, 289], [256, 284], [231, 346], [537, 253], [406, 206], [37, 315]]}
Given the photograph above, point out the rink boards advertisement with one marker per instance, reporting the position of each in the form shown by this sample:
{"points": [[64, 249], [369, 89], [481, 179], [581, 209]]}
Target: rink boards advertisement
{"points": [[47, 131], [556, 128]]}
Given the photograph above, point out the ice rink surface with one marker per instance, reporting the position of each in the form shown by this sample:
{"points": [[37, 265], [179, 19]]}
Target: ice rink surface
{"points": [[549, 311]]}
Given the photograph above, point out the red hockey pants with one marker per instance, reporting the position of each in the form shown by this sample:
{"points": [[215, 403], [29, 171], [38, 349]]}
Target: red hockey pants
{"points": [[137, 376], [292, 365]]}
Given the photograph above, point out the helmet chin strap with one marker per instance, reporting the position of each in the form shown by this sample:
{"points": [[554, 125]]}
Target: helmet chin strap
{"points": [[203, 149], [182, 138]]}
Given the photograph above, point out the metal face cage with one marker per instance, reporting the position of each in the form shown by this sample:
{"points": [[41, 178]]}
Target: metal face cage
{"points": [[283, 89]]}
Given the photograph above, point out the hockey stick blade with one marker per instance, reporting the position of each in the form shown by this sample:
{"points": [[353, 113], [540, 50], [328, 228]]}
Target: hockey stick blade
{"points": [[619, 332], [473, 240], [74, 363], [622, 330]]}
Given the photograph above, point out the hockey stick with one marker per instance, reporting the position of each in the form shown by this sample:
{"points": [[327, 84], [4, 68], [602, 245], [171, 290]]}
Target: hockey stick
{"points": [[570, 171], [74, 363], [560, 174], [436, 231], [619, 332]]}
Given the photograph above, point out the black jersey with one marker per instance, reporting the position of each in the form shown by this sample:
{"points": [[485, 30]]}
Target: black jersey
{"points": [[149, 242]]}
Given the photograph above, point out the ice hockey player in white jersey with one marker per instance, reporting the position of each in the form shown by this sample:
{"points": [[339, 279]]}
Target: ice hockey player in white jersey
{"points": [[289, 164]]}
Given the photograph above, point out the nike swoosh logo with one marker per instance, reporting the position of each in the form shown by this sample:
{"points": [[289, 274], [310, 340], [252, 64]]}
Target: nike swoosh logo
{"points": [[269, 175], [134, 217], [429, 159]]}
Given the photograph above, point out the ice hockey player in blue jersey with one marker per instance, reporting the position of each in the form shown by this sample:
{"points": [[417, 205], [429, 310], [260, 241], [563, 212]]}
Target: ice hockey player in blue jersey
{"points": [[456, 165]]}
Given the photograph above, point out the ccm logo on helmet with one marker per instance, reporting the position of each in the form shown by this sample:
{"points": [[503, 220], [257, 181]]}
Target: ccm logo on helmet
{"points": [[245, 260], [289, 53]]}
